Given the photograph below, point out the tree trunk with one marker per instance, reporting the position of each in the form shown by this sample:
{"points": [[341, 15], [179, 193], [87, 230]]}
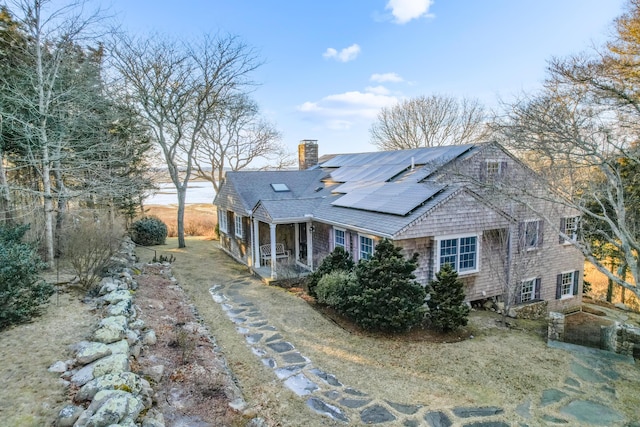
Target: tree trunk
{"points": [[610, 285], [182, 193], [5, 194], [48, 208], [63, 202]]}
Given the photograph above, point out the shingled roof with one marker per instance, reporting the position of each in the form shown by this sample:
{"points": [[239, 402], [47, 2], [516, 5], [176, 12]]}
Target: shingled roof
{"points": [[380, 192]]}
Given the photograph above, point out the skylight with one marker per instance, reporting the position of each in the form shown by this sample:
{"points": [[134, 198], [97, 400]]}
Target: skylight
{"points": [[279, 188]]}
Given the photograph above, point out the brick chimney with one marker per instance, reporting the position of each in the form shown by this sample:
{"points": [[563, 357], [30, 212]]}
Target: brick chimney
{"points": [[307, 153]]}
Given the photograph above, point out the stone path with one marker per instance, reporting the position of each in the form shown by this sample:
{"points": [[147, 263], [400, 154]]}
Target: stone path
{"points": [[327, 395]]}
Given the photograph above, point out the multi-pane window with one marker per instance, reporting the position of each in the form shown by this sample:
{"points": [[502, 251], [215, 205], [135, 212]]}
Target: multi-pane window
{"points": [[339, 238], [566, 284], [532, 234], [222, 221], [528, 290], [493, 168], [238, 224], [569, 226], [366, 247], [461, 253]]}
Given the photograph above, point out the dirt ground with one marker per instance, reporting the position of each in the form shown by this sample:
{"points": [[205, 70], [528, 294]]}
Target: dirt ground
{"points": [[482, 365]]}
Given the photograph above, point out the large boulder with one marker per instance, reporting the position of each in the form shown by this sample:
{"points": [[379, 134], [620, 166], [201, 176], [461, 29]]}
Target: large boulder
{"points": [[113, 364], [117, 296], [110, 407], [125, 381]]}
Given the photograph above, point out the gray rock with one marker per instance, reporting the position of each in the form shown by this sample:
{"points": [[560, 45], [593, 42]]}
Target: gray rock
{"points": [[121, 308], [87, 351], [68, 416], [113, 364], [437, 419], [376, 414], [58, 367], [83, 375], [153, 418], [149, 338], [326, 409], [327, 378], [404, 409], [550, 396], [137, 324], [119, 347], [485, 411], [589, 412], [280, 346], [155, 373], [353, 403], [125, 381], [117, 296], [110, 407], [257, 422], [107, 285], [132, 336], [111, 329]]}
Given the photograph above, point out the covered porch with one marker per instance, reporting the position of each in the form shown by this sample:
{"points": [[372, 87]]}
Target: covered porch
{"points": [[282, 244]]}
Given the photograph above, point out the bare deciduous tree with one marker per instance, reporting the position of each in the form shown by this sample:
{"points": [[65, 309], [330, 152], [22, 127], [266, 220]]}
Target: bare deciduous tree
{"points": [[429, 121], [582, 131], [178, 89], [235, 136]]}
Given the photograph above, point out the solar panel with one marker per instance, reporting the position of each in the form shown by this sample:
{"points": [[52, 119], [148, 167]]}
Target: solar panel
{"points": [[397, 198]]}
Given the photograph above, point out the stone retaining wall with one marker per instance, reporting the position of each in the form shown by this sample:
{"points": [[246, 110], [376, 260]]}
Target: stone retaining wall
{"points": [[621, 338], [108, 393]]}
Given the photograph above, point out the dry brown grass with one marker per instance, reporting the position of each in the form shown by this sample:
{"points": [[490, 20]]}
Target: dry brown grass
{"points": [[497, 367], [29, 394], [199, 219], [599, 284]]}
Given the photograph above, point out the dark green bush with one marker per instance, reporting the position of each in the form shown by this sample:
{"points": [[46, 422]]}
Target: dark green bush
{"points": [[22, 292], [149, 231], [387, 296], [338, 260], [447, 309]]}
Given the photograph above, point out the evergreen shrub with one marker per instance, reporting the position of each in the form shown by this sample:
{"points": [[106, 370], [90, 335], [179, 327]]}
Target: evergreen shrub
{"points": [[387, 296], [149, 231], [22, 291], [447, 309], [334, 288]]}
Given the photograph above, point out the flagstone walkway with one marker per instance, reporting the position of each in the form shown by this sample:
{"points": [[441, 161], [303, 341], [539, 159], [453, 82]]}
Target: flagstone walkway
{"points": [[327, 395]]}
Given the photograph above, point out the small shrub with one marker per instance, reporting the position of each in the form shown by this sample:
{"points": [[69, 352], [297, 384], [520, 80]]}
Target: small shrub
{"points": [[447, 309], [334, 288], [88, 245], [163, 258], [22, 292], [149, 231], [338, 260]]}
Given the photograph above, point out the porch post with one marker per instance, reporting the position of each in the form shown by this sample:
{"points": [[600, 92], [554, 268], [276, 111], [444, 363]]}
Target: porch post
{"points": [[272, 235], [256, 243], [296, 239], [309, 245]]}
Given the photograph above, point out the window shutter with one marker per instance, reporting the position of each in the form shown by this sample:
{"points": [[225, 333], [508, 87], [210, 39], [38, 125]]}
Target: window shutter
{"points": [[483, 171], [558, 286], [540, 233], [503, 168], [576, 278], [563, 224], [537, 288], [519, 293]]}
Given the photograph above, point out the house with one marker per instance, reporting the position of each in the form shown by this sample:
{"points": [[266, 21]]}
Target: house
{"points": [[438, 202]]}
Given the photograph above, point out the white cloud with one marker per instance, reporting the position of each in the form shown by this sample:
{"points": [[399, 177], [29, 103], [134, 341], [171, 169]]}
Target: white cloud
{"points": [[406, 10], [342, 111], [386, 77], [345, 55], [378, 90]]}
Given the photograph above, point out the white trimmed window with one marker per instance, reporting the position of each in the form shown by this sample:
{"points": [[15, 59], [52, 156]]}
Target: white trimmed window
{"points": [[338, 238], [366, 247], [238, 225], [222, 221], [569, 226], [460, 252], [528, 290], [567, 284], [532, 234], [493, 169]]}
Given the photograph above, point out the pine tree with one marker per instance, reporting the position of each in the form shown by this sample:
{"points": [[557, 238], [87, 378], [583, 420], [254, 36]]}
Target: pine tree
{"points": [[447, 309], [387, 296]]}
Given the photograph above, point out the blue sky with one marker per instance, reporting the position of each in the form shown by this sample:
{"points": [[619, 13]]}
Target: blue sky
{"points": [[331, 65]]}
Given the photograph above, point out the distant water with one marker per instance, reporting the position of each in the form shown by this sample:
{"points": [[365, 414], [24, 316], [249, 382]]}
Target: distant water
{"points": [[197, 192]]}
